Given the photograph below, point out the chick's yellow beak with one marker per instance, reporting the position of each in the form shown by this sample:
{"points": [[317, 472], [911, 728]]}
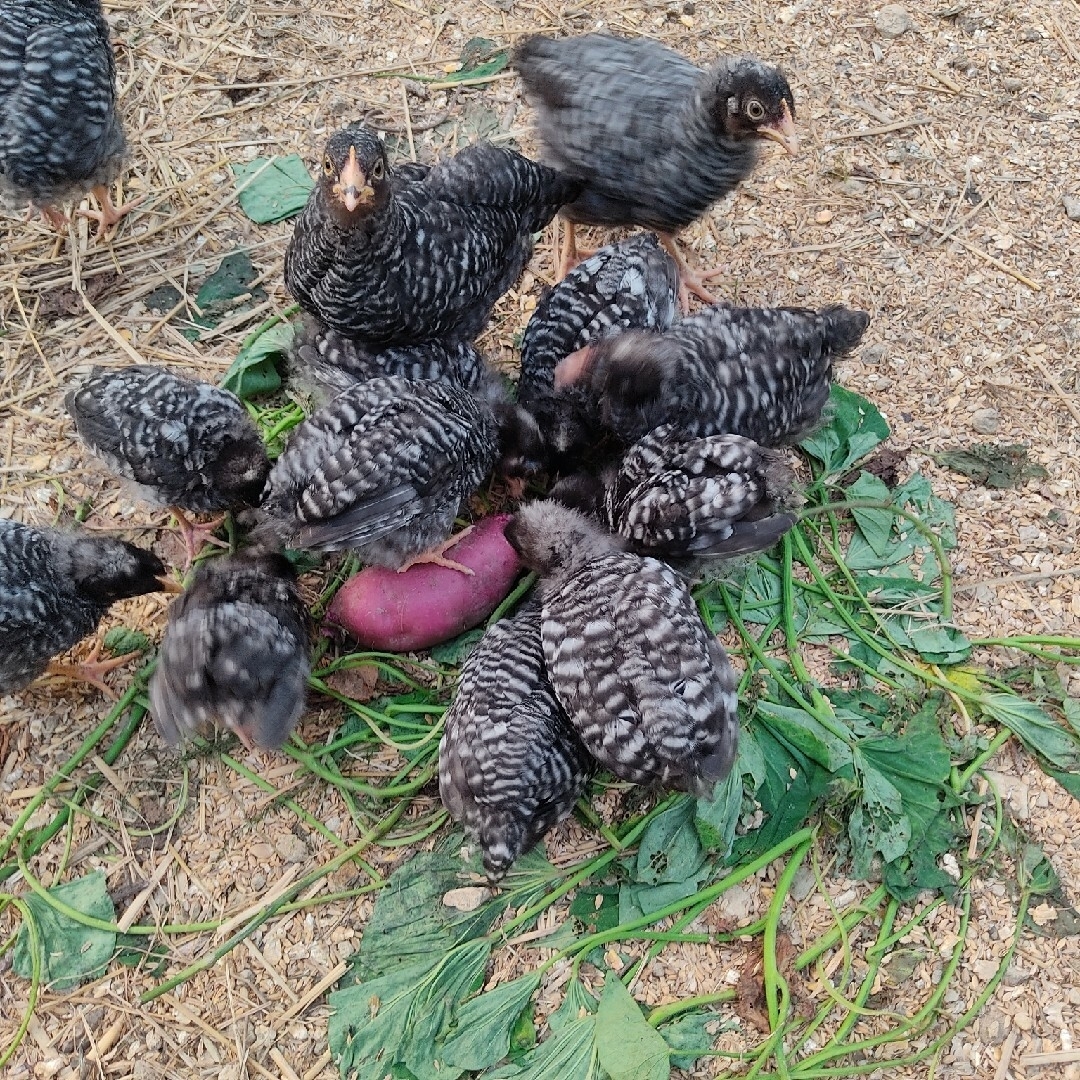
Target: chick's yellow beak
{"points": [[783, 131], [352, 187]]}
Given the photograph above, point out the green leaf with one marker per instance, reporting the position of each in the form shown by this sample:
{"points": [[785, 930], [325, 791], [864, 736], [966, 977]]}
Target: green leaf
{"points": [[628, 1048], [597, 917], [399, 1017], [1035, 729], [219, 295], [715, 819], [854, 428], [482, 1031], [670, 850], [456, 650], [807, 733], [689, 1035], [875, 525], [254, 371], [121, 640], [576, 1005], [568, 1054], [71, 951], [278, 192]]}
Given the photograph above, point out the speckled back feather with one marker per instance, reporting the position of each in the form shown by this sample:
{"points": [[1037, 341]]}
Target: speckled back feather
{"points": [[59, 131], [324, 362], [763, 373], [434, 260], [630, 285], [382, 468], [511, 765], [55, 587], [235, 653], [185, 443], [647, 687]]}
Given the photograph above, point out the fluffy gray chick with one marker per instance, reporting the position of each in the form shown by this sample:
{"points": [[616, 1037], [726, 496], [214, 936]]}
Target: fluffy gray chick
{"points": [[680, 498], [511, 765], [235, 653], [55, 587], [384, 467], [625, 286], [647, 687], [763, 373], [60, 135]]}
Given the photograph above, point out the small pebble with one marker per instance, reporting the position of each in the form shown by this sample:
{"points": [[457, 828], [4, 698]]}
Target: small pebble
{"points": [[872, 354], [851, 186], [892, 21], [823, 217], [986, 421], [291, 848], [1013, 84], [1072, 207]]}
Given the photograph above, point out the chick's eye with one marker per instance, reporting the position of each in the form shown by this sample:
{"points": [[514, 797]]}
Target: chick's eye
{"points": [[755, 110], [328, 166], [377, 171]]}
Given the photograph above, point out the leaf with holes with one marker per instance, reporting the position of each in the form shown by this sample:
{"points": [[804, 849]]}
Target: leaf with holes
{"points": [[670, 850]]}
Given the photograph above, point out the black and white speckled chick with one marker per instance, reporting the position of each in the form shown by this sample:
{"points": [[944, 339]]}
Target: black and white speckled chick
{"points": [[60, 135], [235, 653], [323, 362], [184, 443], [655, 139], [55, 587], [647, 687], [396, 262], [511, 765], [384, 467], [763, 373], [626, 286], [678, 498]]}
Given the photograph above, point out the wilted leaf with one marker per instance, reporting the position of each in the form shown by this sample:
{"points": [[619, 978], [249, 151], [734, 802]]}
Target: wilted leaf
{"points": [[481, 1033], [1035, 729], [121, 640], [994, 465], [253, 371], [278, 192], [628, 1048], [807, 733], [689, 1034], [670, 850], [568, 1054], [71, 951]]}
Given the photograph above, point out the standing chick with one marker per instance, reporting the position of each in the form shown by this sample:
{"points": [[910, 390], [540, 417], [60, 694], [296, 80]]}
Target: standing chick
{"points": [[323, 362], [186, 444], [55, 587], [511, 766], [647, 687], [235, 653], [655, 139], [626, 286], [384, 467], [60, 135], [680, 499], [396, 262], [763, 373]]}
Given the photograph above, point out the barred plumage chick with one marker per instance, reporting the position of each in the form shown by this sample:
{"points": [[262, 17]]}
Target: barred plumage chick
{"points": [[647, 687], [323, 362], [763, 373], [186, 444], [55, 587], [60, 136], [235, 653], [680, 499], [511, 766], [625, 286], [656, 140], [395, 262], [384, 467]]}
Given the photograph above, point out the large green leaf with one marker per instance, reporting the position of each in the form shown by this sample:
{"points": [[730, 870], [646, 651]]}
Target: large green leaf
{"points": [[1035, 729], [481, 1034], [853, 429], [71, 951], [254, 371], [689, 1035], [567, 1054], [670, 850], [807, 733], [279, 191], [628, 1048]]}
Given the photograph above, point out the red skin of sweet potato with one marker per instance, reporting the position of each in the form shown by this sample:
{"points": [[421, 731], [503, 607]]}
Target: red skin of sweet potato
{"points": [[427, 604]]}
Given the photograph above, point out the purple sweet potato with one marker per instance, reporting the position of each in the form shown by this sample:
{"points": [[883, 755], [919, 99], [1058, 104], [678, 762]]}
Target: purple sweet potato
{"points": [[428, 603]]}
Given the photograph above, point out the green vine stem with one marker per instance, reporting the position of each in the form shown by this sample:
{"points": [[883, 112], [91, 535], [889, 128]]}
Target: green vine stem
{"points": [[34, 936]]}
